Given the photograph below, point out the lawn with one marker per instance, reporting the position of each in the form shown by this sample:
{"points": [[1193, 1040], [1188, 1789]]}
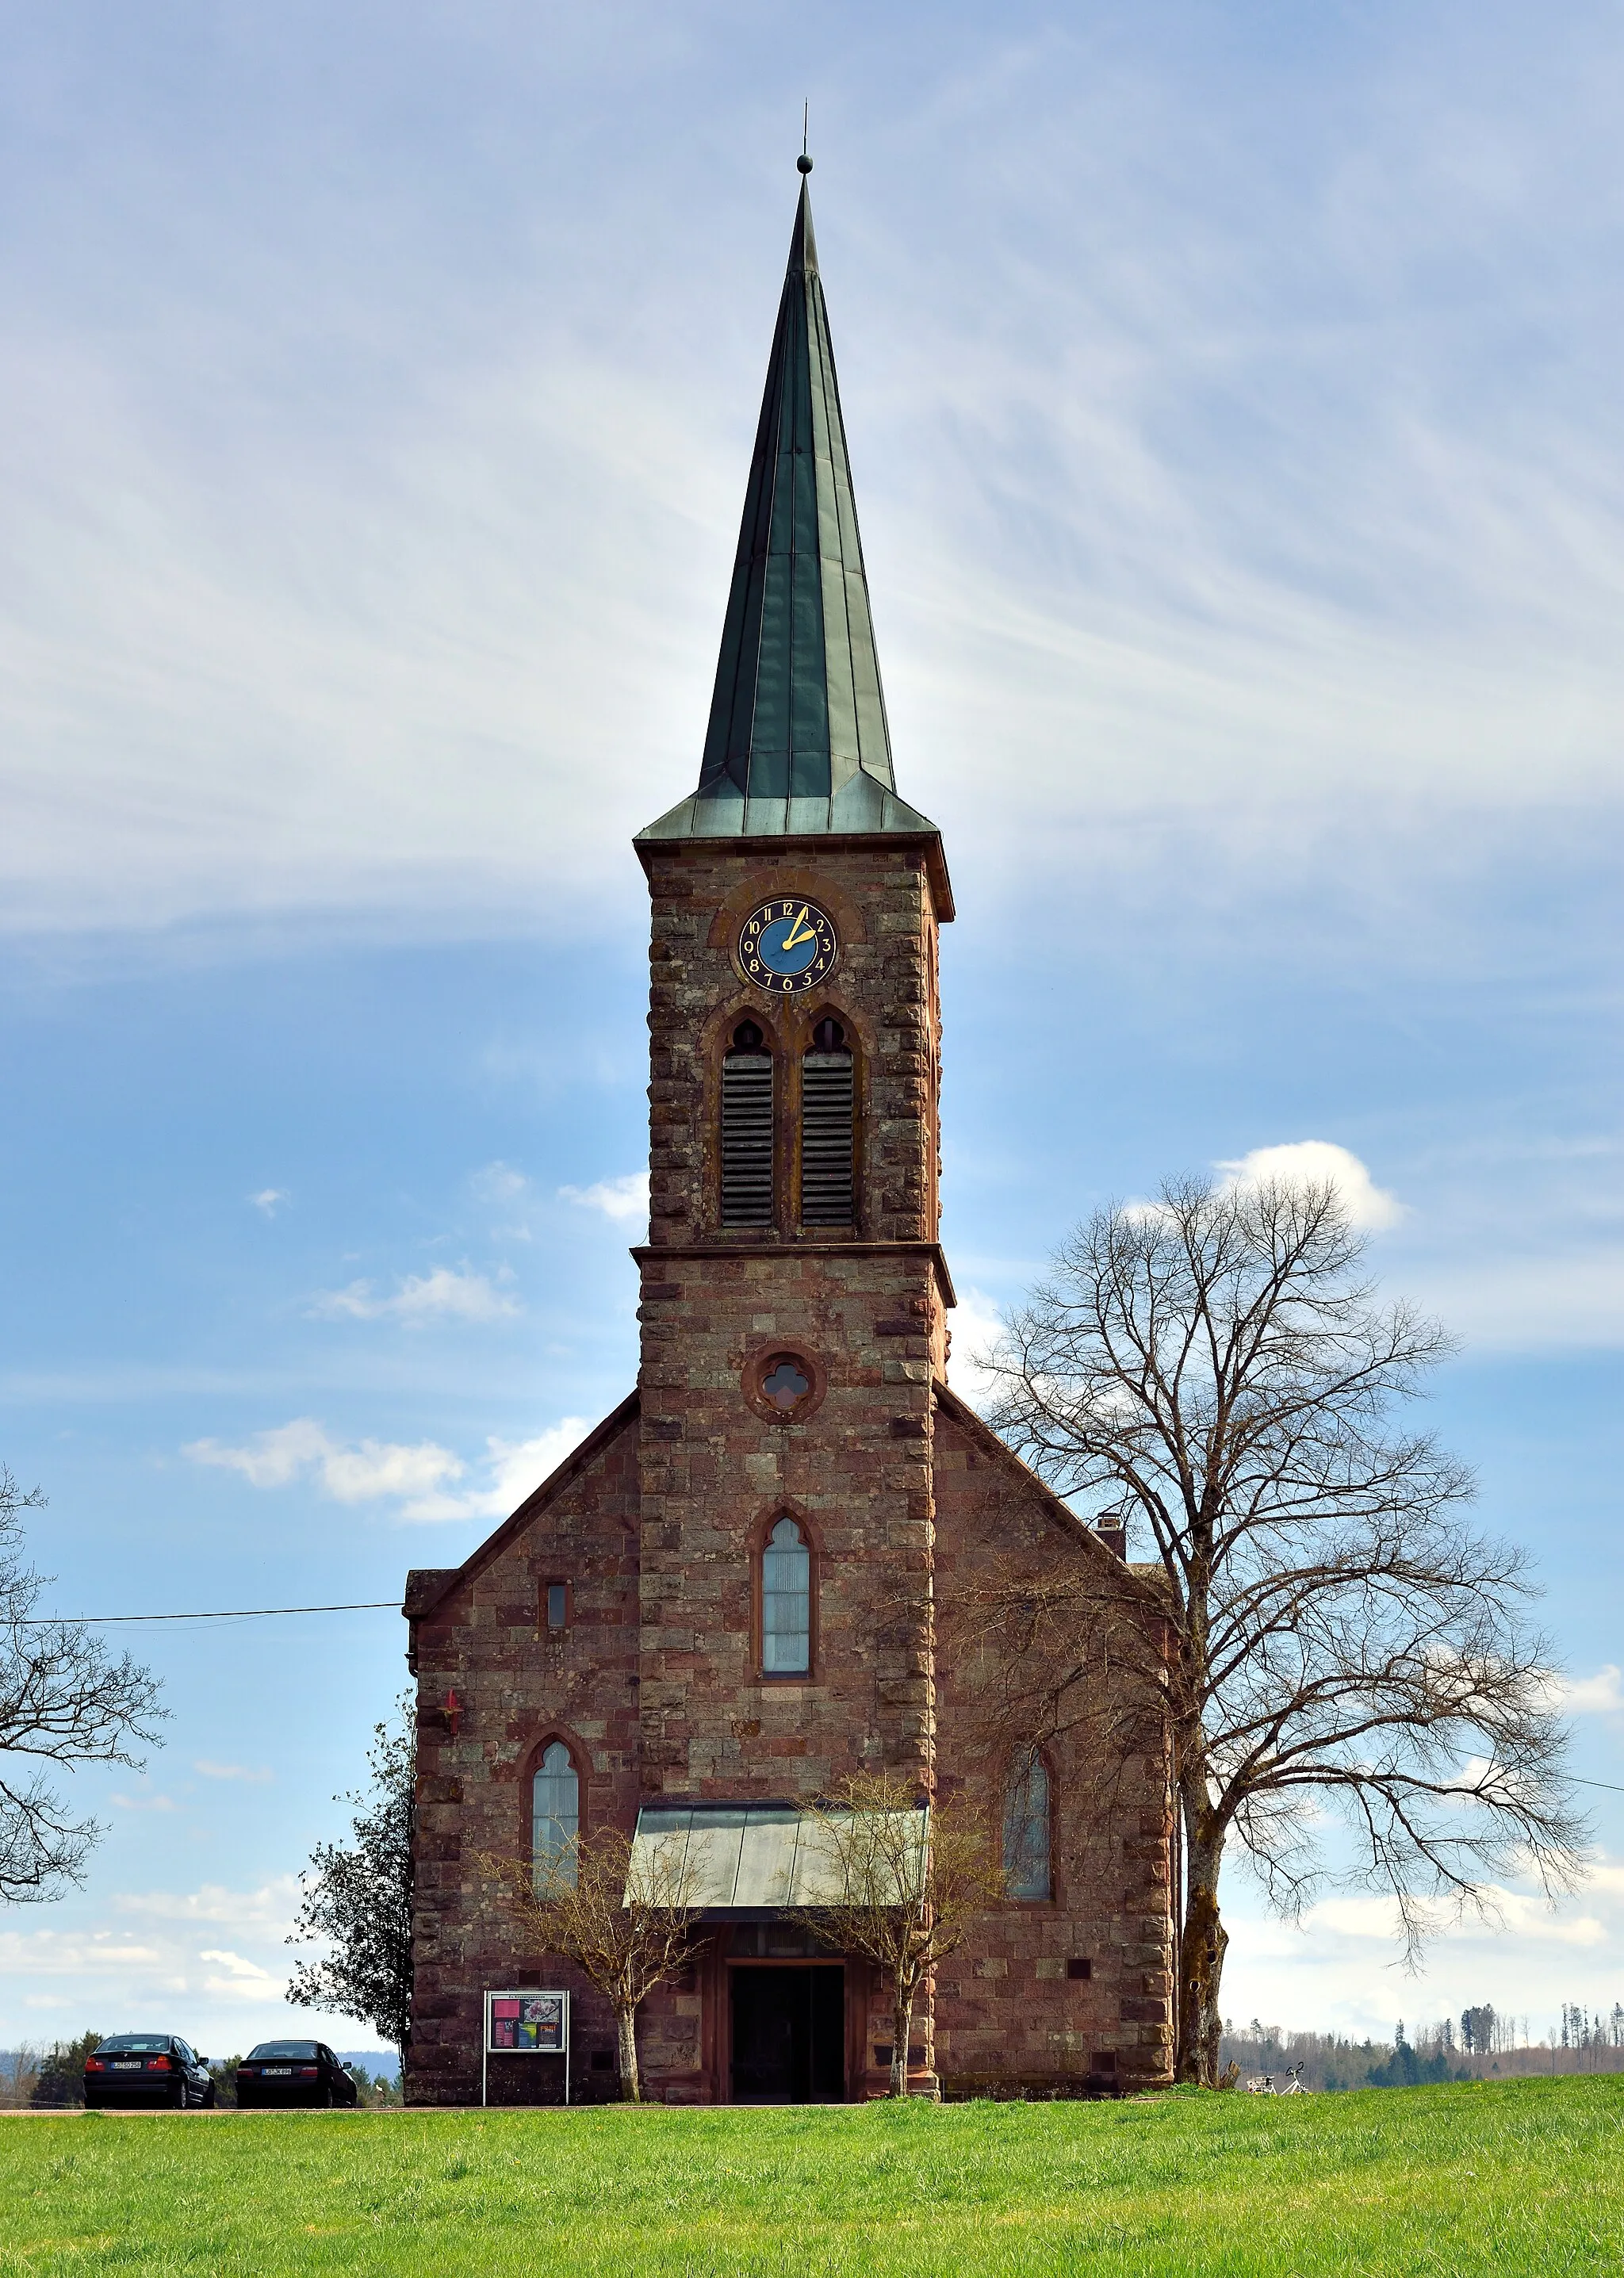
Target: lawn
{"points": [[1528, 2177]]}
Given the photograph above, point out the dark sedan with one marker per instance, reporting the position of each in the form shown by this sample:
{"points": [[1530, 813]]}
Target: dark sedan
{"points": [[147, 2069], [293, 2072]]}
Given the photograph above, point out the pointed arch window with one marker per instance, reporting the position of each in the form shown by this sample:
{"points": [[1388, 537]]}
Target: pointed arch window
{"points": [[828, 1108], [786, 1601], [747, 1130], [554, 1813], [1026, 1830]]}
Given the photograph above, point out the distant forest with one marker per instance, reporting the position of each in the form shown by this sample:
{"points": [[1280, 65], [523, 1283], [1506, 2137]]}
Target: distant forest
{"points": [[1483, 2044]]}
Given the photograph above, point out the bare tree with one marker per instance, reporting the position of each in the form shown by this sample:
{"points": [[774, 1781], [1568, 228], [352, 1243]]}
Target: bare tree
{"points": [[1210, 1370], [622, 1911], [65, 1700], [358, 1896], [904, 1886]]}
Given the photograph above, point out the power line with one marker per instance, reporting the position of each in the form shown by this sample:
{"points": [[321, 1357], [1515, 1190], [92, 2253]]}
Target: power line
{"points": [[236, 1614], [392, 1605]]}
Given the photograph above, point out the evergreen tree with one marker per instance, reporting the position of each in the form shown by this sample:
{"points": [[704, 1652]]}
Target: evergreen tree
{"points": [[358, 1897]]}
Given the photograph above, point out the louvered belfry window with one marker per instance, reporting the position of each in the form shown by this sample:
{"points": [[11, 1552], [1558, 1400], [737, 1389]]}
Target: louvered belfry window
{"points": [[828, 1103], [747, 1130]]}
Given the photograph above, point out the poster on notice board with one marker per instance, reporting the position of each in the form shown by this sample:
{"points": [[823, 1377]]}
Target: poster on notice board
{"points": [[527, 2024]]}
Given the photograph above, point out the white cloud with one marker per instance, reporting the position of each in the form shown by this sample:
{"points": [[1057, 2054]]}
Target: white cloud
{"points": [[144, 1802], [270, 1908], [1602, 1694], [499, 1188], [268, 1198], [446, 1293], [243, 1980], [380, 1468], [142, 1954], [1340, 1970], [975, 1328], [419, 1477], [1318, 1162], [500, 1182], [516, 1470], [1516, 1913], [619, 1199], [1566, 1300], [270, 1459], [365, 1472], [1403, 571], [257, 1778]]}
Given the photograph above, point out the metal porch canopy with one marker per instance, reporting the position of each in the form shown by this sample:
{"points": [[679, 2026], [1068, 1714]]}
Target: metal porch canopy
{"points": [[752, 1859]]}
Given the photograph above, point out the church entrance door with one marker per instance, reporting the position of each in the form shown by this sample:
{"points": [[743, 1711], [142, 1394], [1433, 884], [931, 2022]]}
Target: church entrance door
{"points": [[788, 2034]]}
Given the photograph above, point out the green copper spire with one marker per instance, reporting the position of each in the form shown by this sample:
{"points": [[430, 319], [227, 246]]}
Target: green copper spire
{"points": [[797, 740]]}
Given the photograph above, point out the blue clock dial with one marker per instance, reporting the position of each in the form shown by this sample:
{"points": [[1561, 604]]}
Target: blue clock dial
{"points": [[787, 945]]}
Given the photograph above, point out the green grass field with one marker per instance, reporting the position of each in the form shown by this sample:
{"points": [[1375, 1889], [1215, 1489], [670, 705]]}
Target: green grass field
{"points": [[1528, 2177]]}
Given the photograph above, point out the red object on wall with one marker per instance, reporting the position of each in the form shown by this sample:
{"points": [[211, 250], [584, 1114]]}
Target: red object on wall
{"points": [[453, 1712]]}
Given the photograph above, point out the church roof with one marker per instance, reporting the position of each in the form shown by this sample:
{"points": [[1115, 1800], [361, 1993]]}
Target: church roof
{"points": [[797, 742]]}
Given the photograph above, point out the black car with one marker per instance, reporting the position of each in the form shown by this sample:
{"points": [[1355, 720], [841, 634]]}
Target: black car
{"points": [[293, 2072], [147, 2069]]}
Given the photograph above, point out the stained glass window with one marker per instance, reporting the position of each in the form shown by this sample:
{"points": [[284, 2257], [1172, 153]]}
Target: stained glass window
{"points": [[786, 1602], [555, 1813]]}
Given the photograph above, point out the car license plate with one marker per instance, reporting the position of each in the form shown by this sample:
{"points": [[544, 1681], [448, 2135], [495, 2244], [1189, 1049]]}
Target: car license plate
{"points": [[276, 2072], [131, 2065]]}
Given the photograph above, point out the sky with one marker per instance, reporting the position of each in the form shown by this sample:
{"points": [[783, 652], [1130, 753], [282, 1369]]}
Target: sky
{"points": [[1234, 416]]}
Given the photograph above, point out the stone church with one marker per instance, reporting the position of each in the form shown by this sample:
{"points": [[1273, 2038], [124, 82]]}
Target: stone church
{"points": [[736, 1591]]}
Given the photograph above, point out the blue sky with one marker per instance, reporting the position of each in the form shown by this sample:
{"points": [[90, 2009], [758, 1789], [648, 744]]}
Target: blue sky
{"points": [[1233, 405]]}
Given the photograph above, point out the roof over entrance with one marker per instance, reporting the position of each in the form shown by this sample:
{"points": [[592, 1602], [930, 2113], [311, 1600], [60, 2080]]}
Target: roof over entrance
{"points": [[751, 1858], [797, 742]]}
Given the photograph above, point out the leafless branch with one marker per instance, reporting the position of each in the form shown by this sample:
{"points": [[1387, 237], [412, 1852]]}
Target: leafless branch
{"points": [[66, 1700], [1213, 1370], [622, 1911], [904, 1886]]}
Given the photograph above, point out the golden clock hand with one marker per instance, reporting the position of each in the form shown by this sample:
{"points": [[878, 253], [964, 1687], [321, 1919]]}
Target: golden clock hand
{"points": [[794, 936]]}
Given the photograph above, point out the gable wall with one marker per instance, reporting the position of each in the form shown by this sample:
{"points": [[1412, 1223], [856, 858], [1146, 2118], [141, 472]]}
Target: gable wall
{"points": [[1006, 2012], [517, 1686]]}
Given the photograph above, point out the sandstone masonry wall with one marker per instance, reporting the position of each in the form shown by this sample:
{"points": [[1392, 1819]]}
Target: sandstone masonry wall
{"points": [[517, 1688]]}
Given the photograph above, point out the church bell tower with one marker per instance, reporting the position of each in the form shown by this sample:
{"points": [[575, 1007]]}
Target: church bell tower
{"points": [[793, 1293], [728, 1598]]}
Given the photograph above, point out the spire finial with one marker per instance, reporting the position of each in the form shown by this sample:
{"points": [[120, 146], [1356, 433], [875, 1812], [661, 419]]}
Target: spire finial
{"points": [[803, 164]]}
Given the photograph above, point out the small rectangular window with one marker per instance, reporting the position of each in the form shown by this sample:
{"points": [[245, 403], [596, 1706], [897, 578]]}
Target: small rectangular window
{"points": [[1079, 1967], [557, 1605]]}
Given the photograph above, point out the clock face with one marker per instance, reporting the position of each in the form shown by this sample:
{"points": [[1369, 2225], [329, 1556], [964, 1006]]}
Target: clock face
{"points": [[787, 945]]}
